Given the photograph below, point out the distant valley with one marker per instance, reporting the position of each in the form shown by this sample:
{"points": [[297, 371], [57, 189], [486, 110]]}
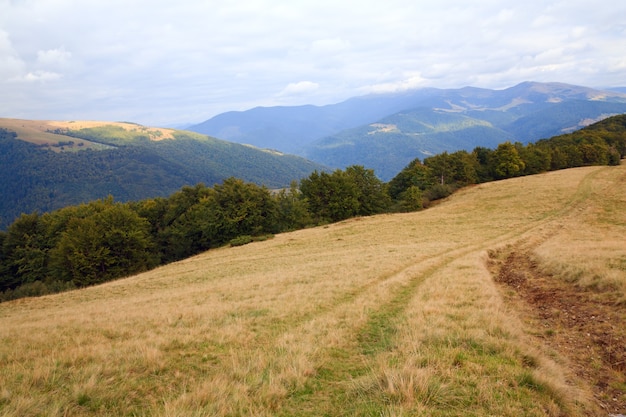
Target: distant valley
{"points": [[385, 132]]}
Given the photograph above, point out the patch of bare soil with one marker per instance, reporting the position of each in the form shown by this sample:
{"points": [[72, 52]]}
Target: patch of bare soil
{"points": [[586, 327]]}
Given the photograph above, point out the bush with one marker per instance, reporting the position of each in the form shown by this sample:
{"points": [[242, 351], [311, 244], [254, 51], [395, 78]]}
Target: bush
{"points": [[36, 289], [438, 191], [245, 239], [241, 240]]}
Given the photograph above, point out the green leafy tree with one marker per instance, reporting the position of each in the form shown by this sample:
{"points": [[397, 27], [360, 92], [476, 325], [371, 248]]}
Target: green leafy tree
{"points": [[458, 168], [574, 156], [227, 211], [4, 265], [536, 159], [507, 161], [485, 170], [293, 211], [558, 158], [25, 252], [465, 168], [109, 244], [414, 174], [181, 201], [170, 222], [412, 199], [331, 197], [372, 193], [594, 152], [614, 157], [441, 167], [244, 209]]}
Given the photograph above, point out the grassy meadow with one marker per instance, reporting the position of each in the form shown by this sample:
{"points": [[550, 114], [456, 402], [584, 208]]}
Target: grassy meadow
{"points": [[390, 315]]}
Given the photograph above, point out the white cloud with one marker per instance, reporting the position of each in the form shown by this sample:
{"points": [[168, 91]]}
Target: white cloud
{"points": [[329, 46], [37, 76], [10, 63], [54, 58], [299, 88], [410, 82]]}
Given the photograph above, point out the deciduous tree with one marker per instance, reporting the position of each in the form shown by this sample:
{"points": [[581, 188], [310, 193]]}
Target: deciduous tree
{"points": [[507, 161], [109, 244], [331, 197]]}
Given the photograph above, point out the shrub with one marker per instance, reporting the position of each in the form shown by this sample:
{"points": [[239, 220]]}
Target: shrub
{"points": [[245, 239]]}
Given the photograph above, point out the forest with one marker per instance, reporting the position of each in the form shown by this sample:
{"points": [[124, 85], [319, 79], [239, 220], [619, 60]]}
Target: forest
{"points": [[95, 242]]}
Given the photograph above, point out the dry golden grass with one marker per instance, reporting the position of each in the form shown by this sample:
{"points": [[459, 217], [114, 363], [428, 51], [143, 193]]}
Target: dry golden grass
{"points": [[389, 315], [155, 133], [592, 246], [34, 131]]}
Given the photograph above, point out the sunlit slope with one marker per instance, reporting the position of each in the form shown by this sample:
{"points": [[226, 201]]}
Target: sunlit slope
{"points": [[50, 132], [388, 315]]}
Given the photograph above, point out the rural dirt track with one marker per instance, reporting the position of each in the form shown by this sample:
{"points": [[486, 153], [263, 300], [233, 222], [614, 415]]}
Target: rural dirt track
{"points": [[582, 327], [581, 323]]}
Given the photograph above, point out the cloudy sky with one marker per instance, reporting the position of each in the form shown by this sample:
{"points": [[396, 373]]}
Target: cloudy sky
{"points": [[164, 62]]}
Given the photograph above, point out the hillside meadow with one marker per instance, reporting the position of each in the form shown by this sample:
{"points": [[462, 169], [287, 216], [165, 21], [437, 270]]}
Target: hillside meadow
{"points": [[49, 132], [506, 299]]}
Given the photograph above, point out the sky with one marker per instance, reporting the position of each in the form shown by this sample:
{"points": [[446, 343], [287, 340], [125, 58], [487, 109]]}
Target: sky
{"points": [[171, 63]]}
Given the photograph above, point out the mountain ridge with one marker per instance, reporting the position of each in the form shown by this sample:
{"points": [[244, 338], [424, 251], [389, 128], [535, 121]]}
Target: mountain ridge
{"points": [[525, 112]]}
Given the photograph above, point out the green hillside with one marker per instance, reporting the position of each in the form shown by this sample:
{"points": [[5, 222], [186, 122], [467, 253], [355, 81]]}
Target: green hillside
{"points": [[49, 165], [388, 145]]}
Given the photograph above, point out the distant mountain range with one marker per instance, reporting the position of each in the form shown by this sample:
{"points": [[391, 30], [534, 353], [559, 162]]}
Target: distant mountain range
{"points": [[387, 131], [46, 165]]}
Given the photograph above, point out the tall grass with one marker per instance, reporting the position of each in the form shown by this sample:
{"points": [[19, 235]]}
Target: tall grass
{"points": [[590, 245]]}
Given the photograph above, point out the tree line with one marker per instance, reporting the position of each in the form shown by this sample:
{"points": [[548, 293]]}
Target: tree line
{"points": [[95, 242]]}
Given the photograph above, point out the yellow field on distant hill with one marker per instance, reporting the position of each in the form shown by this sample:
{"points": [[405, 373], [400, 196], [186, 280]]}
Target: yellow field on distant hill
{"points": [[40, 132], [507, 299], [156, 133]]}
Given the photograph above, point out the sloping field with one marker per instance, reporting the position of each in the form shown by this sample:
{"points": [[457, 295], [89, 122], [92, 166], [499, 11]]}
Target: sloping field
{"points": [[424, 314]]}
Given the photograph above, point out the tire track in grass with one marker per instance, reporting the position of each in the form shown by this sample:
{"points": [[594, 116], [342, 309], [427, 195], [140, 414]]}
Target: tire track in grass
{"points": [[338, 365], [577, 322], [377, 333], [305, 364]]}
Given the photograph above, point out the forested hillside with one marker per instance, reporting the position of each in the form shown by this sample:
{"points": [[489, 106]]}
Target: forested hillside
{"points": [[128, 165], [389, 144], [392, 142], [102, 240]]}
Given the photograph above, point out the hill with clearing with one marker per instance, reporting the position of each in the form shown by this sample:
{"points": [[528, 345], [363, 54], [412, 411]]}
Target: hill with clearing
{"points": [[508, 298], [46, 165]]}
